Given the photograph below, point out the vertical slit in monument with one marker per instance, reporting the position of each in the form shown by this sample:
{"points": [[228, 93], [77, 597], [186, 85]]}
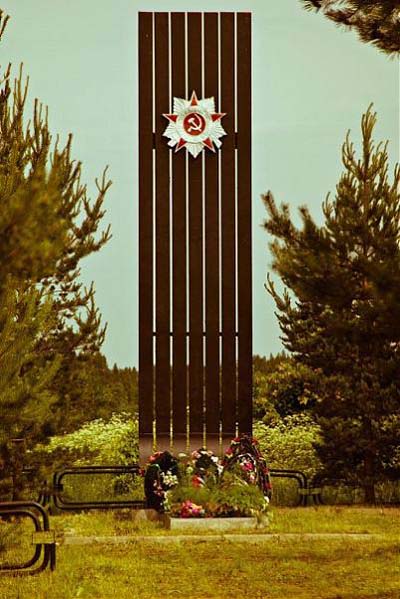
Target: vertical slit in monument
{"points": [[237, 302], [162, 234], [179, 244], [171, 261], [235, 59], [171, 338], [228, 228], [211, 242], [237, 241], [154, 431], [153, 306], [153, 110], [187, 307], [153, 70], [186, 57], [204, 428], [203, 215], [220, 431], [195, 244], [187, 242], [219, 249]]}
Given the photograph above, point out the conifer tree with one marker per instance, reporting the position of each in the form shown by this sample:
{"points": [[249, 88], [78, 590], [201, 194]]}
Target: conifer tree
{"points": [[376, 21], [48, 225], [342, 315], [25, 374]]}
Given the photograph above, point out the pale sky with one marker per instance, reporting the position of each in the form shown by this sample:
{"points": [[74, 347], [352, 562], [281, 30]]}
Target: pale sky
{"points": [[311, 83]]}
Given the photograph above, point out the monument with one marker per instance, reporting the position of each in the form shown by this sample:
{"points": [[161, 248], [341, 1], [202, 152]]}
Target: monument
{"points": [[195, 280]]}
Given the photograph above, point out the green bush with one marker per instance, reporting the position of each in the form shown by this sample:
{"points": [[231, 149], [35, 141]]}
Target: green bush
{"points": [[289, 443], [97, 442]]}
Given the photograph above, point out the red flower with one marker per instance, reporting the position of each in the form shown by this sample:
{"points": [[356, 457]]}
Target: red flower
{"points": [[155, 456], [196, 481]]}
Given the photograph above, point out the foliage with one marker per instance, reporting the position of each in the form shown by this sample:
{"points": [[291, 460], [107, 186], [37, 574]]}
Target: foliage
{"points": [[227, 496], [344, 324], [111, 442], [263, 404], [268, 365], [204, 485], [290, 443], [24, 374], [375, 21], [49, 325], [286, 387], [161, 475], [48, 225], [91, 390], [25, 377], [98, 442], [244, 457]]}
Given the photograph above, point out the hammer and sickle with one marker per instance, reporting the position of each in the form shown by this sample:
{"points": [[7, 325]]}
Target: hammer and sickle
{"points": [[195, 123]]}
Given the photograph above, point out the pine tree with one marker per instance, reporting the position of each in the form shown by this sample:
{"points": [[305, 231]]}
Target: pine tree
{"points": [[47, 225], [25, 374], [47, 222], [376, 21], [287, 389], [342, 315]]}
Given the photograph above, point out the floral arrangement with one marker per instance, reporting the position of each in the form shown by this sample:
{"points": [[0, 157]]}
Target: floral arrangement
{"points": [[160, 476], [191, 510], [203, 485], [245, 453]]}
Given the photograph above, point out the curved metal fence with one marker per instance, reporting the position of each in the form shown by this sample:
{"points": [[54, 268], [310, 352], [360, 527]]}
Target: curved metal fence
{"points": [[69, 496], [42, 538], [300, 497]]}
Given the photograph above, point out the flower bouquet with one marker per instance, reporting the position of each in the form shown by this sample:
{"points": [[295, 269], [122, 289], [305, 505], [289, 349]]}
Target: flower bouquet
{"points": [[203, 486]]}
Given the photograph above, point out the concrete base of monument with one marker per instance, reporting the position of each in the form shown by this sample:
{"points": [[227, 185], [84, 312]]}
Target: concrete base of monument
{"points": [[210, 524], [193, 524]]}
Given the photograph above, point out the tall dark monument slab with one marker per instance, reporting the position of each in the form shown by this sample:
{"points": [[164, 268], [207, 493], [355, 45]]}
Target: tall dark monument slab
{"points": [[195, 282]]}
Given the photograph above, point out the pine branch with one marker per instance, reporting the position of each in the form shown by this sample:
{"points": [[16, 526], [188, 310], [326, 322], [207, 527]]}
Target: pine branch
{"points": [[375, 21]]}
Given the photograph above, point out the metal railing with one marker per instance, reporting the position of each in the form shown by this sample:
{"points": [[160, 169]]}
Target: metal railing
{"points": [[60, 498], [43, 539], [299, 477]]}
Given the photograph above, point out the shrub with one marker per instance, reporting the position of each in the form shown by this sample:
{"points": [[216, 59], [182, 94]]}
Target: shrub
{"points": [[229, 495], [97, 442], [289, 443]]}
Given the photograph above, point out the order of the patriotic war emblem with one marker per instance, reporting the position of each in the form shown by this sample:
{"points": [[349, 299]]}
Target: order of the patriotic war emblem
{"points": [[194, 125]]}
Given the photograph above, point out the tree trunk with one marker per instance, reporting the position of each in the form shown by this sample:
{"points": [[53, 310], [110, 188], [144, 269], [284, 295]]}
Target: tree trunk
{"points": [[369, 482], [369, 491]]}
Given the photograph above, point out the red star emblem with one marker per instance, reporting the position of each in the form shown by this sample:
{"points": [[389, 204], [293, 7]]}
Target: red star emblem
{"points": [[194, 124]]}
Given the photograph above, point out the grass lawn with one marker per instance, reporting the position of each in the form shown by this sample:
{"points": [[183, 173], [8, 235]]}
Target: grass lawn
{"points": [[293, 568]]}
